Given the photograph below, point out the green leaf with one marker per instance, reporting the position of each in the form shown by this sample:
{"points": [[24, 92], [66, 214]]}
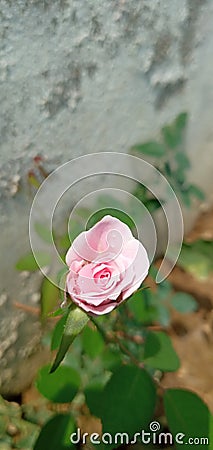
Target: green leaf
{"points": [[173, 133], [183, 302], [121, 215], [185, 195], [163, 315], [58, 331], [211, 431], [186, 413], [150, 148], [164, 291], [59, 387], [181, 121], [128, 401], [153, 204], [180, 178], [140, 192], [43, 232], [76, 321], [28, 262], [92, 342], [141, 308], [182, 160], [159, 352], [171, 138], [167, 169], [196, 258], [58, 312], [49, 297], [111, 359], [93, 396], [55, 434], [196, 192]]}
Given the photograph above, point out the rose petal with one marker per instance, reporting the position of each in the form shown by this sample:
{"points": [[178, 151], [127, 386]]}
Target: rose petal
{"points": [[83, 287], [140, 266], [119, 265], [108, 235], [97, 310]]}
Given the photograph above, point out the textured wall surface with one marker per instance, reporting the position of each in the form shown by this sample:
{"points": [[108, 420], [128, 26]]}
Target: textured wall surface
{"points": [[82, 76]]}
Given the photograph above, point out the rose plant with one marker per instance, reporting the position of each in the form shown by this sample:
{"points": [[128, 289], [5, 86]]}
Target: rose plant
{"points": [[106, 266], [120, 345], [117, 359]]}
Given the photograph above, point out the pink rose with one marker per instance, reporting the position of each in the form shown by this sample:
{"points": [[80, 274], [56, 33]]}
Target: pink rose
{"points": [[106, 265]]}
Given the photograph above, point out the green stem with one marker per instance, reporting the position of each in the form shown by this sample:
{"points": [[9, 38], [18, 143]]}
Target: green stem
{"points": [[116, 340], [101, 330]]}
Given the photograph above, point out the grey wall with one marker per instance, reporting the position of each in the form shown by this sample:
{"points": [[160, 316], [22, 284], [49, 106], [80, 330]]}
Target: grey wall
{"points": [[82, 76]]}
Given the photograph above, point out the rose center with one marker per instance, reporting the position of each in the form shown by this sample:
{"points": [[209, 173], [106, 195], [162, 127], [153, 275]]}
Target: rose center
{"points": [[102, 277]]}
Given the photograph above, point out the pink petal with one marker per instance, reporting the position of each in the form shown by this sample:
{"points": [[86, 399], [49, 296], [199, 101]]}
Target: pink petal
{"points": [[140, 265], [108, 235], [97, 310]]}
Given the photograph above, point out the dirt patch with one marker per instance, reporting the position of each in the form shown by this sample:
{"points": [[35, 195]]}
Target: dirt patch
{"points": [[192, 334]]}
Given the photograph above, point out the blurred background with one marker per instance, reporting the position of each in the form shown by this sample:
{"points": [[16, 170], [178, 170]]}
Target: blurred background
{"points": [[81, 77]]}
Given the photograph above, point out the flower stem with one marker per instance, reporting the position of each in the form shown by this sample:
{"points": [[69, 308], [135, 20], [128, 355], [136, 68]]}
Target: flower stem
{"points": [[114, 338], [104, 335]]}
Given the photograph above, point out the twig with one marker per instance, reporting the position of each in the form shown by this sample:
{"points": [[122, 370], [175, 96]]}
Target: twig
{"points": [[27, 308], [137, 339], [31, 309], [156, 328], [113, 338], [129, 354], [107, 338]]}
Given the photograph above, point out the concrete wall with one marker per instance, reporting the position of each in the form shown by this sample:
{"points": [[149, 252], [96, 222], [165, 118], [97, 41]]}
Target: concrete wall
{"points": [[82, 76]]}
